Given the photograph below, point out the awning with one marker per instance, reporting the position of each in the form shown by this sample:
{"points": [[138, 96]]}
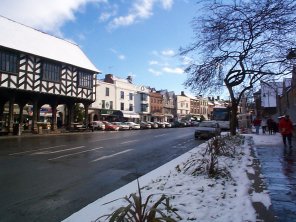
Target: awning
{"points": [[131, 115], [157, 115]]}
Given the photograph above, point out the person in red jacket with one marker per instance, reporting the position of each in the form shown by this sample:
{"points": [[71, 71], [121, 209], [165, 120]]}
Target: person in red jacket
{"points": [[286, 129]]}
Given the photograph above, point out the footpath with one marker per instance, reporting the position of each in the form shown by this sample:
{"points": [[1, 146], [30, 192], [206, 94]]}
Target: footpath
{"points": [[278, 166]]}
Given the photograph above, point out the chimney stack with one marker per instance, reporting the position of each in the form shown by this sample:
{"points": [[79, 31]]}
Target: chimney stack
{"points": [[109, 78], [130, 79]]}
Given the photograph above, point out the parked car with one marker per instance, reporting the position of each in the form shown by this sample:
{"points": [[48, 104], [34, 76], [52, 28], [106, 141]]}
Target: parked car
{"points": [[133, 125], [167, 125], [160, 124], [110, 126], [153, 125], [97, 125], [195, 123], [178, 124], [145, 125], [207, 129], [122, 126]]}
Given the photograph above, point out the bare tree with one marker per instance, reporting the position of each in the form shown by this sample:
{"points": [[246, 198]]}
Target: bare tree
{"points": [[238, 44]]}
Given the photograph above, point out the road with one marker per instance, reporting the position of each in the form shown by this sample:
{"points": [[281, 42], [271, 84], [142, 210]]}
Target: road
{"points": [[47, 178]]}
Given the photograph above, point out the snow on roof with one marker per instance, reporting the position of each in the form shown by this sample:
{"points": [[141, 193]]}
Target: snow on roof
{"points": [[19, 37]]}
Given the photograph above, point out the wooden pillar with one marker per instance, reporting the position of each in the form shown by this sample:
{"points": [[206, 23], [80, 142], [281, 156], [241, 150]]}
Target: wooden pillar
{"points": [[2, 110], [54, 126], [21, 115], [70, 117], [36, 111], [10, 115], [86, 119]]}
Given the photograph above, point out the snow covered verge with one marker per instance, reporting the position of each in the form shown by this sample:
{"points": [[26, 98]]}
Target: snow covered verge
{"points": [[196, 195]]}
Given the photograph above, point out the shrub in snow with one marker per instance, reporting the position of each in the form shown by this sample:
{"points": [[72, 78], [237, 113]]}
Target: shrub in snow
{"points": [[139, 210], [212, 162]]}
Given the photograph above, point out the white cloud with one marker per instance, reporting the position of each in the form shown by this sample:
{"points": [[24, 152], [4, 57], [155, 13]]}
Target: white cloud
{"points": [[153, 62], [186, 60], [154, 72], [168, 52], [176, 70], [167, 4], [111, 12], [140, 10], [48, 15], [165, 62], [118, 54]]}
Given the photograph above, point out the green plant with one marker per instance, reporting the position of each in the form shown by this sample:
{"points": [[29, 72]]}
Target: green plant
{"points": [[209, 163], [138, 211]]}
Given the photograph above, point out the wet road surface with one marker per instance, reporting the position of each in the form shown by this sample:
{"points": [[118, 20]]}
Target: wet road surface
{"points": [[47, 178]]}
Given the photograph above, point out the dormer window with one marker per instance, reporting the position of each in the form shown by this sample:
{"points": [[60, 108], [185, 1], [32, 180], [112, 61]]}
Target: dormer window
{"points": [[51, 72], [8, 62], [85, 79]]}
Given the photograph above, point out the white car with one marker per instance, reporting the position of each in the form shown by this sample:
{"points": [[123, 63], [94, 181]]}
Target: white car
{"points": [[167, 125], [133, 125], [160, 124], [207, 129], [98, 125]]}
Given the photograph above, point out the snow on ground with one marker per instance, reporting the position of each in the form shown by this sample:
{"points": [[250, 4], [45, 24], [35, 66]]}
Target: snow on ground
{"points": [[197, 198]]}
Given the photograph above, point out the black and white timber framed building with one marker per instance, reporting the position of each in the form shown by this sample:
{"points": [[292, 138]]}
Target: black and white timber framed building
{"points": [[37, 69]]}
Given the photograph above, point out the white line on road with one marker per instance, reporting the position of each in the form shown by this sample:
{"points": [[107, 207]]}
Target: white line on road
{"points": [[130, 141], [72, 154], [58, 151], [30, 151], [161, 135], [109, 156], [92, 141]]}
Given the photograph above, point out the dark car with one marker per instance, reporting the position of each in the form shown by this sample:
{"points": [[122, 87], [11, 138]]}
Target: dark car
{"points": [[145, 125], [178, 124], [153, 125], [207, 129]]}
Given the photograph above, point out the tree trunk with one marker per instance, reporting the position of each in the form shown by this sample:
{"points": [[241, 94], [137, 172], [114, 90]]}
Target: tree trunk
{"points": [[233, 118]]}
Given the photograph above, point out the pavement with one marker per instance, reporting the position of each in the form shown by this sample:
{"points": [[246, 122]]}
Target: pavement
{"points": [[278, 166]]}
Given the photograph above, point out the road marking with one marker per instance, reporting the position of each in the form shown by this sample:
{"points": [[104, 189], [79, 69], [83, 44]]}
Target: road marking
{"points": [[109, 156], [58, 151], [30, 151], [160, 135], [130, 141], [100, 140], [72, 154]]}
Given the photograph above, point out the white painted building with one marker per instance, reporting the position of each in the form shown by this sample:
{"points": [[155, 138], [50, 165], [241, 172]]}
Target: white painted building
{"points": [[269, 92], [105, 104], [131, 101], [182, 106]]}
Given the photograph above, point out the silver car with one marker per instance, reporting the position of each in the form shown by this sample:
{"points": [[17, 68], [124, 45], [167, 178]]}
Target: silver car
{"points": [[207, 129]]}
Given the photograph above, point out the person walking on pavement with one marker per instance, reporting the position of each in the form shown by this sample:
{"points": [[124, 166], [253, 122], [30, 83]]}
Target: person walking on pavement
{"points": [[257, 124], [264, 125], [270, 125], [286, 129]]}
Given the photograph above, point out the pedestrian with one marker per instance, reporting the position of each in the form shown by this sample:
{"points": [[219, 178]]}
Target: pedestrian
{"points": [[286, 129], [270, 124], [257, 124], [264, 125]]}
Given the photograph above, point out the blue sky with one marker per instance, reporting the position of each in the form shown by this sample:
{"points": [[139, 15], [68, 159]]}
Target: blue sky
{"points": [[140, 38]]}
